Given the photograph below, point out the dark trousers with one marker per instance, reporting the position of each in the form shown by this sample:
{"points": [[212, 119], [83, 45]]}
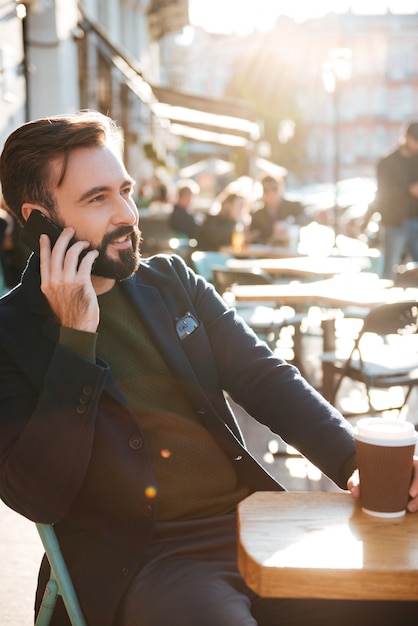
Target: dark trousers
{"points": [[190, 578]]}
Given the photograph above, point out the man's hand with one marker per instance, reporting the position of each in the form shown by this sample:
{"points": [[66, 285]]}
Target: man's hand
{"points": [[67, 284], [413, 190], [413, 489], [353, 485]]}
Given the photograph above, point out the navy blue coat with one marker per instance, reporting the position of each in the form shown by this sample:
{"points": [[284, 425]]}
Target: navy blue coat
{"points": [[72, 452]]}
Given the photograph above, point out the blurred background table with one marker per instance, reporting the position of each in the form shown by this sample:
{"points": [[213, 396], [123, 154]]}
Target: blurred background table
{"points": [[300, 267], [258, 251], [361, 290], [336, 297], [322, 545]]}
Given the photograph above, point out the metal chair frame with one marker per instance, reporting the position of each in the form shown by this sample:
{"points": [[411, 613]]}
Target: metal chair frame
{"points": [[203, 260], [265, 318], [60, 582], [399, 367]]}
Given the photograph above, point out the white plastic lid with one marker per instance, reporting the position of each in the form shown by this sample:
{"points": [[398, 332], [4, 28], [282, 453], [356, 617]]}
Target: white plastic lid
{"points": [[385, 430]]}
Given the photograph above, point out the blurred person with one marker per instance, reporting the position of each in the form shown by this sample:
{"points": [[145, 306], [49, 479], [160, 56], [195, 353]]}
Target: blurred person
{"points": [[269, 223], [160, 202], [182, 219], [397, 200], [114, 425], [218, 229]]}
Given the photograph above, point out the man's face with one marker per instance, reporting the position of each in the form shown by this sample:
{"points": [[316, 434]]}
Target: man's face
{"points": [[95, 198], [186, 199], [272, 194]]}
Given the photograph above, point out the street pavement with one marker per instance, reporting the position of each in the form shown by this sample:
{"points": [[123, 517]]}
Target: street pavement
{"points": [[20, 555]]}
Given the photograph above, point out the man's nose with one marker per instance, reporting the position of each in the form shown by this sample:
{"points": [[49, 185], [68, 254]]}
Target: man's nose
{"points": [[125, 212]]}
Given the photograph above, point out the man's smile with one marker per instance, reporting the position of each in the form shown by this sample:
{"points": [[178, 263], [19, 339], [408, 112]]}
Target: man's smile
{"points": [[123, 242]]}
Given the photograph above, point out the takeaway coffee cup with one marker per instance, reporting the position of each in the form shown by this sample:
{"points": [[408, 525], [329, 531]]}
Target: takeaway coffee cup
{"points": [[385, 449]]}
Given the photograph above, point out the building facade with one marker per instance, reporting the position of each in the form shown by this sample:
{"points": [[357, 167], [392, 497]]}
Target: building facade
{"points": [[127, 57], [284, 69], [13, 68]]}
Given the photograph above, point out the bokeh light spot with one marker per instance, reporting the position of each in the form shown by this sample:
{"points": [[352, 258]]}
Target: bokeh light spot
{"points": [[150, 491]]}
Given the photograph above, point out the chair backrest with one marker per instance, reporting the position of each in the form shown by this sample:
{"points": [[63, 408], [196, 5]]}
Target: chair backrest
{"points": [[395, 318], [60, 582], [225, 277], [202, 262], [392, 358]]}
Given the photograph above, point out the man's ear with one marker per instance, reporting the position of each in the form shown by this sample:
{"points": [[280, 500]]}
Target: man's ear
{"points": [[27, 209]]}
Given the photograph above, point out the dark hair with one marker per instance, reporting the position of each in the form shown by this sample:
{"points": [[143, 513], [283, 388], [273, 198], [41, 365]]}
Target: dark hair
{"points": [[25, 172], [161, 192], [412, 130], [271, 182]]}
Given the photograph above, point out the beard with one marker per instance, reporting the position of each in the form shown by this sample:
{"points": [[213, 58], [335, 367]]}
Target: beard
{"points": [[118, 269], [127, 262]]}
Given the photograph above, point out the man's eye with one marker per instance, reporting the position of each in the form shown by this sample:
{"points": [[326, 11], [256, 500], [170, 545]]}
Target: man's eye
{"points": [[97, 198], [127, 192]]}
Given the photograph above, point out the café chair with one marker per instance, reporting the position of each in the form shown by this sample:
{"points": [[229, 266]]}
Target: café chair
{"points": [[212, 265], [225, 277], [384, 355], [202, 262], [266, 319], [59, 582], [3, 287]]}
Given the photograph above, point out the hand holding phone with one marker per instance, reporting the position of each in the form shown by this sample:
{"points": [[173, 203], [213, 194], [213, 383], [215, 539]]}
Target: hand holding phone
{"points": [[36, 225], [60, 294]]}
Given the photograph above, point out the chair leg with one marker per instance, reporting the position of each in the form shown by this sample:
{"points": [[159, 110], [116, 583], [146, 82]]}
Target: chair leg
{"points": [[48, 603], [372, 409], [408, 393], [60, 573], [329, 388]]}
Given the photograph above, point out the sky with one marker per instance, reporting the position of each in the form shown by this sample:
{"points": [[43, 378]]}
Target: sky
{"points": [[243, 16]]}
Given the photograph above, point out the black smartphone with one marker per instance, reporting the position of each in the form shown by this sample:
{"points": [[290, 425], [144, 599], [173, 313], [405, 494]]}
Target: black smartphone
{"points": [[36, 224]]}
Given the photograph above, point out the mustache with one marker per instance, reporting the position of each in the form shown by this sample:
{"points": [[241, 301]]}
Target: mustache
{"points": [[122, 231]]}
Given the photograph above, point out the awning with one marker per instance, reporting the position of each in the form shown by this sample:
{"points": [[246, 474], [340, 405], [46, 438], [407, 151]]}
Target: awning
{"points": [[225, 121], [272, 169], [219, 167]]}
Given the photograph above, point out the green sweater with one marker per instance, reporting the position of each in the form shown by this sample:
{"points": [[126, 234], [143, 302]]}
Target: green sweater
{"points": [[194, 478]]}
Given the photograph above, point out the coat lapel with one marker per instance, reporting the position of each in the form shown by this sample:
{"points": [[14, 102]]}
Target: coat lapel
{"points": [[189, 359]]}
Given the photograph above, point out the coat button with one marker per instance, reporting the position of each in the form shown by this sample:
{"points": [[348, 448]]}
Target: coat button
{"points": [[238, 458], [87, 390], [147, 510], [124, 572], [81, 409], [135, 442]]}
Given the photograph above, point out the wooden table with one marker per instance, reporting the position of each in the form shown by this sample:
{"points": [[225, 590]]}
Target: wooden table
{"points": [[322, 545], [301, 267]]}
